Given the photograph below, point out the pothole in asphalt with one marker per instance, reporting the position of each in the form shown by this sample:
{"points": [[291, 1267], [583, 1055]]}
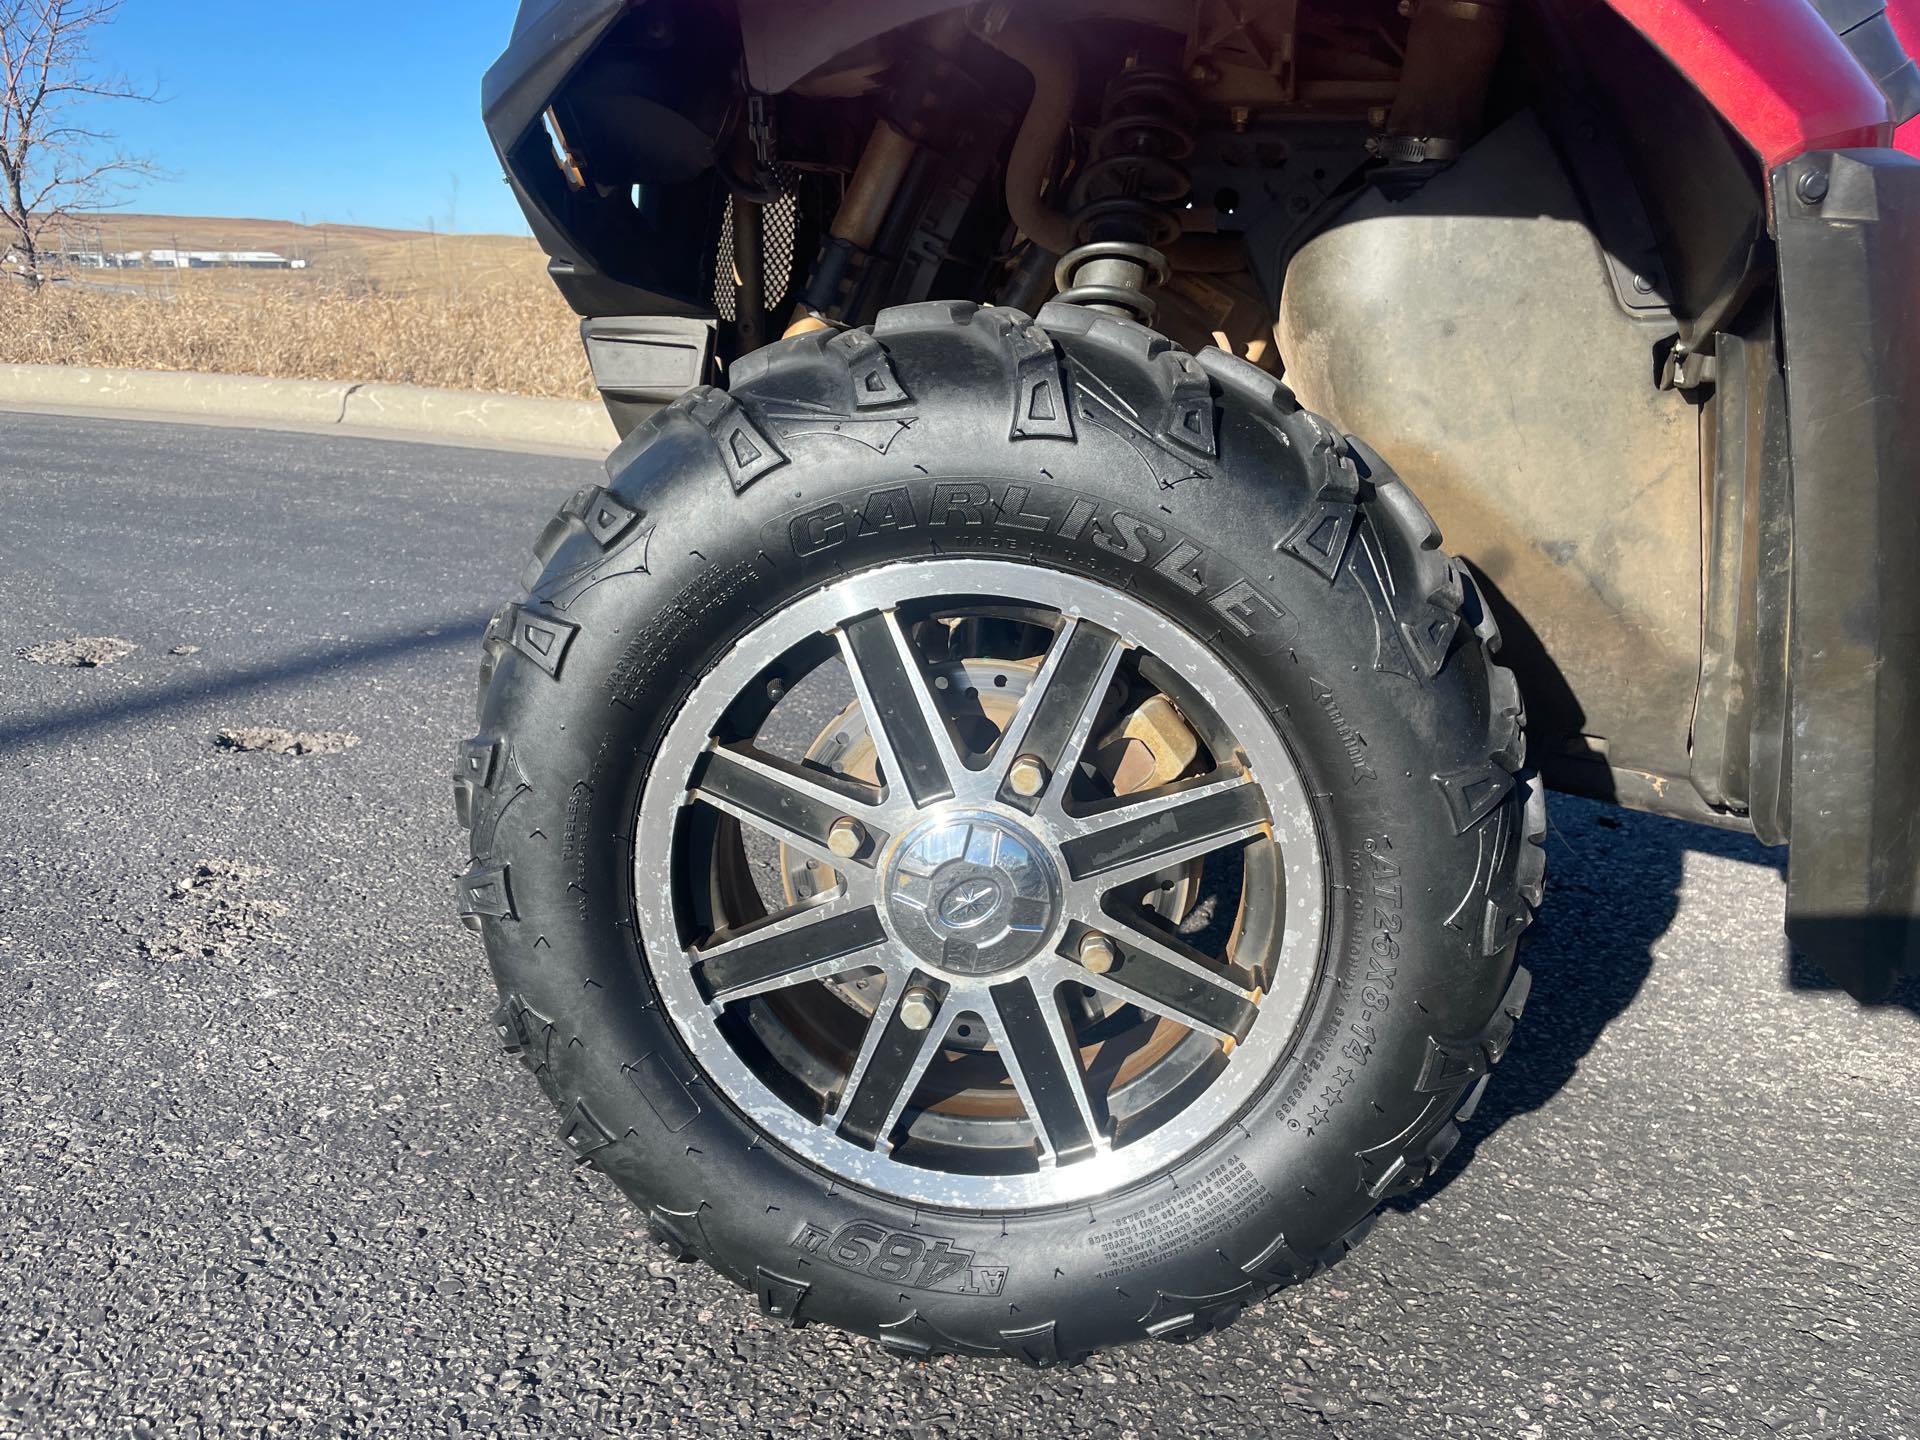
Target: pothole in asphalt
{"points": [[213, 913], [82, 651], [278, 741]]}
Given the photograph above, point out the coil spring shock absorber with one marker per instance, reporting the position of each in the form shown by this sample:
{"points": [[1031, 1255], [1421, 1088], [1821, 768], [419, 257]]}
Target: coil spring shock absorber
{"points": [[1125, 200]]}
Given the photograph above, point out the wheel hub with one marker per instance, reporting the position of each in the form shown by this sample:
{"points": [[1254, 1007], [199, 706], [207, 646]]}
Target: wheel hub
{"points": [[921, 1016], [972, 893]]}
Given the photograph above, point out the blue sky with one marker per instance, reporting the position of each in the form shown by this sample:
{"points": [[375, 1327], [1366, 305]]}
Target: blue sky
{"points": [[348, 111]]}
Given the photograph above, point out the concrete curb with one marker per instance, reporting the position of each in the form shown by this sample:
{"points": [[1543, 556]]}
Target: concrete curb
{"points": [[401, 411]]}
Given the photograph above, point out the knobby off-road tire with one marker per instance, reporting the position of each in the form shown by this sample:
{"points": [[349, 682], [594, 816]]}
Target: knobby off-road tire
{"points": [[1194, 486]]}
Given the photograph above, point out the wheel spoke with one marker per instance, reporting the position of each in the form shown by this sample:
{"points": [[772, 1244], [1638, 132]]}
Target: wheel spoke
{"points": [[909, 730], [1164, 977], [810, 943], [1056, 718], [788, 801], [1043, 1062], [888, 1068], [1178, 824]]}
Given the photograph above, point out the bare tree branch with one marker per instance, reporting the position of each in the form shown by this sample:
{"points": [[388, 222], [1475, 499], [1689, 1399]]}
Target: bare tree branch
{"points": [[52, 165]]}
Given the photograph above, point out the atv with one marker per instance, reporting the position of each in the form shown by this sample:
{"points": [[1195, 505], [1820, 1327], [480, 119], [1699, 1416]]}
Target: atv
{"points": [[999, 825]]}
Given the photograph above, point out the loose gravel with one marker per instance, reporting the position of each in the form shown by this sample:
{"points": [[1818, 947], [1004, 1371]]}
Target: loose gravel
{"points": [[81, 652], [277, 740]]}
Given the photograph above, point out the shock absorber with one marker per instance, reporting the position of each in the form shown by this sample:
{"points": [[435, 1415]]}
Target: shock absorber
{"points": [[1126, 199]]}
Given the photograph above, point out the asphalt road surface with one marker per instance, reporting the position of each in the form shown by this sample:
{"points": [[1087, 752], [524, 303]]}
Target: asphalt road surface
{"points": [[262, 1167]]}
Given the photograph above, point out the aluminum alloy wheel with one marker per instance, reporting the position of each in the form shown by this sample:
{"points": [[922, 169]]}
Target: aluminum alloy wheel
{"points": [[961, 904]]}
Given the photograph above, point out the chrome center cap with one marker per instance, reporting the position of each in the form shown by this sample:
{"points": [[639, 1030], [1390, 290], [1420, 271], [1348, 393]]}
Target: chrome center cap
{"points": [[972, 892]]}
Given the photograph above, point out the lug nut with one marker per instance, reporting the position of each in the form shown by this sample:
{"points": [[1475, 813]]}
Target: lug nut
{"points": [[917, 1008], [1096, 953], [1027, 775], [846, 837]]}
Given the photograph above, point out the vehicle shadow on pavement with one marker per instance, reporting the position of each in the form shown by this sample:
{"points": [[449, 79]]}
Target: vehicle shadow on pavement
{"points": [[61, 722], [1613, 889]]}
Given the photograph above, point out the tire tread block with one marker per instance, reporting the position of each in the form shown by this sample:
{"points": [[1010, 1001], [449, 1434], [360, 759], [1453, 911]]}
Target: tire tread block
{"points": [[746, 451]]}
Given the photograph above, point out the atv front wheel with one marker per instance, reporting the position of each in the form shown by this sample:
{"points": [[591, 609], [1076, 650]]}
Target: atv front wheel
{"points": [[1003, 837]]}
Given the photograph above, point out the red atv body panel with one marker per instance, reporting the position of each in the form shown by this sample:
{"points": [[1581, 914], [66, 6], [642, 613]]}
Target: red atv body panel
{"points": [[1774, 70], [1905, 15]]}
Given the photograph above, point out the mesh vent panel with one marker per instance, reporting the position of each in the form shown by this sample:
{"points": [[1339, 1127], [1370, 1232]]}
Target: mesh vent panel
{"points": [[779, 229]]}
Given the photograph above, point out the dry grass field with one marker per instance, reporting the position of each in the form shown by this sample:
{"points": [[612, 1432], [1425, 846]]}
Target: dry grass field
{"points": [[473, 312]]}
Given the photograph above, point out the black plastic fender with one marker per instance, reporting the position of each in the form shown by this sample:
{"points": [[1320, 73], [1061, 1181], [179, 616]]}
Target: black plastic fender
{"points": [[1848, 226]]}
